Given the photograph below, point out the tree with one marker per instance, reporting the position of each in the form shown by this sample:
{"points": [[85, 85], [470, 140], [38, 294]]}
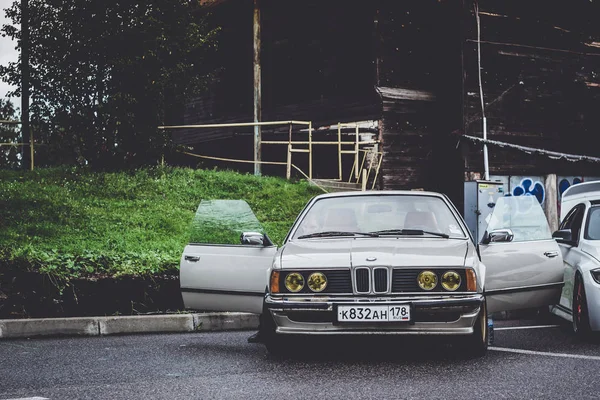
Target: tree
{"points": [[9, 133], [102, 74]]}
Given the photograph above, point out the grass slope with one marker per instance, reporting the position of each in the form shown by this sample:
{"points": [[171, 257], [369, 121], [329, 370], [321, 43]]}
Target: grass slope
{"points": [[70, 222]]}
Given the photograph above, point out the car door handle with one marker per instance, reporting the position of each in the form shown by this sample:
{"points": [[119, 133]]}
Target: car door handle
{"points": [[192, 258], [551, 254]]}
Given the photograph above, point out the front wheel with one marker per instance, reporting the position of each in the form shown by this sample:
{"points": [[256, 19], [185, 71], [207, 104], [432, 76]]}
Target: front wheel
{"points": [[275, 346], [581, 319], [476, 344], [273, 342]]}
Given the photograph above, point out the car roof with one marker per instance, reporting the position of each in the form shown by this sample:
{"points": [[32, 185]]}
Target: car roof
{"points": [[582, 190], [379, 193]]}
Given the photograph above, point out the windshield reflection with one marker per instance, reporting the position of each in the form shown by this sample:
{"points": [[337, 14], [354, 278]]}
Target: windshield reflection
{"points": [[393, 213]]}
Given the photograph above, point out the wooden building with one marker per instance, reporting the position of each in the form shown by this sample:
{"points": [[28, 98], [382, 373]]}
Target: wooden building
{"points": [[411, 66]]}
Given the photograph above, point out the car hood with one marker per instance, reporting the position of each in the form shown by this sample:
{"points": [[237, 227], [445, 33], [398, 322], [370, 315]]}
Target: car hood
{"points": [[397, 252]]}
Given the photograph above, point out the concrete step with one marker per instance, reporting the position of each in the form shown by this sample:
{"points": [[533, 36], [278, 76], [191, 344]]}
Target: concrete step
{"points": [[337, 186]]}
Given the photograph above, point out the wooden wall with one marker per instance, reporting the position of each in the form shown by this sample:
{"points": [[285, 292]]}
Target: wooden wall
{"points": [[317, 65], [541, 82], [419, 67], [412, 65]]}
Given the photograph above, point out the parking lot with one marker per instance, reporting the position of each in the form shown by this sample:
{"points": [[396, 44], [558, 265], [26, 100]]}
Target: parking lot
{"points": [[536, 358], [548, 336]]}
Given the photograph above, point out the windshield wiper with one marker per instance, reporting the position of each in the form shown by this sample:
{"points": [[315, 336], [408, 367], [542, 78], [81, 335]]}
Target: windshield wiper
{"points": [[337, 233], [414, 232]]}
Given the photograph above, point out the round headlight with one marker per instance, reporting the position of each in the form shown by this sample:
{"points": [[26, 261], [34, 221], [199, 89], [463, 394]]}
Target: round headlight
{"points": [[451, 281], [427, 280], [317, 282], [294, 282]]}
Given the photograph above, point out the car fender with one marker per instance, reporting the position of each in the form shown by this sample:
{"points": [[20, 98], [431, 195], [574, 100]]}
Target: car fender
{"points": [[592, 290], [472, 260]]}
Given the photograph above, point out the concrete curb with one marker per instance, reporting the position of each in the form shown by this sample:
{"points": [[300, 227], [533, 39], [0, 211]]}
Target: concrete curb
{"points": [[100, 326], [199, 322]]}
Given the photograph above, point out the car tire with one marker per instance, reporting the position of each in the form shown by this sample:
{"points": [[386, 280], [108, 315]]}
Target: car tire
{"points": [[476, 344], [275, 346], [581, 318], [273, 342]]}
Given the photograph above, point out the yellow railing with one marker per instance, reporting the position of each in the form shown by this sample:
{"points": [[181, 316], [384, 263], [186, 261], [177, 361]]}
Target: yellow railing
{"points": [[260, 143], [30, 144], [292, 148], [252, 162], [366, 172]]}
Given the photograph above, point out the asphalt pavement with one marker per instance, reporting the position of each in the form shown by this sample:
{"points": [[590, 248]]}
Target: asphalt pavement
{"points": [[529, 359]]}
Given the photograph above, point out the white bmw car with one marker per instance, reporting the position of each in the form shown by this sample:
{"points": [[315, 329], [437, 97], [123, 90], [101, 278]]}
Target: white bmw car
{"points": [[372, 263], [579, 241]]}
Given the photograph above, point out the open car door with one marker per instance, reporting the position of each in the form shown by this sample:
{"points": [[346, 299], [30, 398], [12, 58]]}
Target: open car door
{"points": [[219, 269], [524, 267]]}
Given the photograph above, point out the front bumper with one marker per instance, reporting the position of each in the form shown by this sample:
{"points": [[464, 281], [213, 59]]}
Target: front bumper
{"points": [[431, 315]]}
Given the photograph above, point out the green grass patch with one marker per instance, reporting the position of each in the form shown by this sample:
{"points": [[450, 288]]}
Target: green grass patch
{"points": [[70, 222]]}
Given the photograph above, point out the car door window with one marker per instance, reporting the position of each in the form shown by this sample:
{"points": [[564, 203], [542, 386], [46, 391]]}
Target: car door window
{"points": [[223, 222], [522, 215], [568, 218], [574, 220]]}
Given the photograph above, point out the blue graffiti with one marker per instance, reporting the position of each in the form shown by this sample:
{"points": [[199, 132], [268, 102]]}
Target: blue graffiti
{"points": [[564, 184], [529, 188]]}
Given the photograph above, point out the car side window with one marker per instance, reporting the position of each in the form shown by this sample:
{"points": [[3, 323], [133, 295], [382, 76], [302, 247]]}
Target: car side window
{"points": [[566, 220], [592, 231], [574, 220]]}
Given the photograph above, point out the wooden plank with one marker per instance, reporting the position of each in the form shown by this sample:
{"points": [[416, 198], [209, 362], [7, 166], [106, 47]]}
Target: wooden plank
{"points": [[399, 93]]}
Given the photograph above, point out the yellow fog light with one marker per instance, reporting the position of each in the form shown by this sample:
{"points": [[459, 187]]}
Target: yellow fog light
{"points": [[317, 282], [427, 280], [451, 281], [294, 282]]}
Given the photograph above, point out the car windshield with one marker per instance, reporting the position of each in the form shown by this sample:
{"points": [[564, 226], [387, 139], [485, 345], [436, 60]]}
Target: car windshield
{"points": [[394, 215], [592, 230]]}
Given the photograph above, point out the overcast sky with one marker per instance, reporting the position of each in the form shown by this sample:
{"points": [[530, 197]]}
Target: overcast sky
{"points": [[7, 51]]}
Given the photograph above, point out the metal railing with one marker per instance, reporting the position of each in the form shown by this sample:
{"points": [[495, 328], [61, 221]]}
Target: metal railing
{"points": [[30, 144], [306, 146], [291, 123]]}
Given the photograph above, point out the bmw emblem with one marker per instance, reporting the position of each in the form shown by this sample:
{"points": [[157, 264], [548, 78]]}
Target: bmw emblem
{"points": [[371, 258]]}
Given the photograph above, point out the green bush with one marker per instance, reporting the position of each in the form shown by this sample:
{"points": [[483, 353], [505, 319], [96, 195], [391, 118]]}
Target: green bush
{"points": [[70, 222]]}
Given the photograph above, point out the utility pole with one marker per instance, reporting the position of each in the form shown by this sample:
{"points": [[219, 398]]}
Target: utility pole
{"points": [[257, 86], [27, 156]]}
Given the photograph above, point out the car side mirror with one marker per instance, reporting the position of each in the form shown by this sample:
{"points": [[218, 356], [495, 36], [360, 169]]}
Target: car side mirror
{"points": [[563, 235], [255, 239], [498, 236]]}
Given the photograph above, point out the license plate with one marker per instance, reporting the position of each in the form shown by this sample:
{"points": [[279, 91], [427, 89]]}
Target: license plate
{"points": [[387, 313]]}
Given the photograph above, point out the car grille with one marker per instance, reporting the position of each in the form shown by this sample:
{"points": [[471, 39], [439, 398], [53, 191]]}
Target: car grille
{"points": [[380, 276], [362, 280], [405, 279], [375, 280], [371, 280], [338, 282]]}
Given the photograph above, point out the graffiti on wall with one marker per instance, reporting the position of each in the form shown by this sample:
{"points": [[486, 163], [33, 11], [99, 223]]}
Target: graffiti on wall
{"points": [[535, 186], [564, 182], [529, 187]]}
